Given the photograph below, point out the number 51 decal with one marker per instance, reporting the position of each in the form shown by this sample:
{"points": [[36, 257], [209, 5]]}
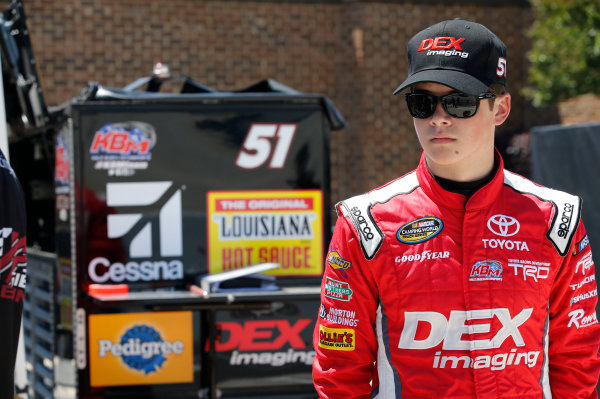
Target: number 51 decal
{"points": [[266, 142]]}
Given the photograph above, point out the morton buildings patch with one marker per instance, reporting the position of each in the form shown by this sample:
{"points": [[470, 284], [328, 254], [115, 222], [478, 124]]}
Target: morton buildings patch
{"points": [[419, 230]]}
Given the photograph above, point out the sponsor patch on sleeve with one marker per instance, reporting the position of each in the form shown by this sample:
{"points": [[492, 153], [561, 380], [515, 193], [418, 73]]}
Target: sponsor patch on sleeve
{"points": [[337, 339], [337, 290], [337, 262], [581, 245]]}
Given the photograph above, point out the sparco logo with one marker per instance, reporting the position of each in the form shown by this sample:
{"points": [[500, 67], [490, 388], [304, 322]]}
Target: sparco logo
{"points": [[362, 223], [565, 220], [138, 231], [503, 225]]}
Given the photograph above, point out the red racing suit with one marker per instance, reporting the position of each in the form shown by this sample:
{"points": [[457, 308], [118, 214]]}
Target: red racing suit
{"points": [[430, 294]]}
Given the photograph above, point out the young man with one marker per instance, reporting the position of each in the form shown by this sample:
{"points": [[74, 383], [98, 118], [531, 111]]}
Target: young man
{"points": [[459, 279]]}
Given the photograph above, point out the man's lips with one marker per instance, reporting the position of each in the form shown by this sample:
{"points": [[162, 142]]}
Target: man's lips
{"points": [[442, 140]]}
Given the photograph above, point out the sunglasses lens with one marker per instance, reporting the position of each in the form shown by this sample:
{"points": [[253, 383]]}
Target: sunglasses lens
{"points": [[460, 105], [421, 105]]}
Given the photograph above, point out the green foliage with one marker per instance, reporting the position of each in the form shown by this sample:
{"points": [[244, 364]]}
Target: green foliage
{"points": [[565, 53]]}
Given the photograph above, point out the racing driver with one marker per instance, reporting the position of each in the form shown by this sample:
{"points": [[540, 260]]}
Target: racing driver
{"points": [[459, 279]]}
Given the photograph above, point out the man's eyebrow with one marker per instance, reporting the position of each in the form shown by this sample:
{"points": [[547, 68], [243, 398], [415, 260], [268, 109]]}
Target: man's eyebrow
{"points": [[423, 91]]}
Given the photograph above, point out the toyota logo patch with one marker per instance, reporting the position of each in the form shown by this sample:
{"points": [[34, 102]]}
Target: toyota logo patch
{"points": [[503, 225]]}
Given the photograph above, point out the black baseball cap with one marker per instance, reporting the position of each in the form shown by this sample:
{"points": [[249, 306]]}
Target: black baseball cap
{"points": [[457, 53]]}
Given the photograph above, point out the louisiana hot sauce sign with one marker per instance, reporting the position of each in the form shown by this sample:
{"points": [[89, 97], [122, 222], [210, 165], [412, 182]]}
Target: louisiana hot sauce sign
{"points": [[251, 227]]}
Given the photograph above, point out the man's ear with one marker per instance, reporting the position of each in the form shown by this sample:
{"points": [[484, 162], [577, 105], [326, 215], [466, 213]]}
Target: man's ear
{"points": [[502, 107]]}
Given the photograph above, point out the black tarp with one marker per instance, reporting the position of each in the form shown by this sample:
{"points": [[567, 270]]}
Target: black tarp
{"points": [[567, 158]]}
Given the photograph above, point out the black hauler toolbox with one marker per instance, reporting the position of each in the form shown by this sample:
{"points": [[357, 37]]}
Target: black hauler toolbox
{"points": [[155, 192]]}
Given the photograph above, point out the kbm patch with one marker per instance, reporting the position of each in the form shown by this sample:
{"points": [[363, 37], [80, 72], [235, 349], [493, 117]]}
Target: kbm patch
{"points": [[337, 290], [337, 339], [335, 260], [419, 230], [581, 245], [486, 270]]}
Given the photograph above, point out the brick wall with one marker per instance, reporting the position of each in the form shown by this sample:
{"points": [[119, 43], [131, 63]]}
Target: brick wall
{"points": [[351, 51]]}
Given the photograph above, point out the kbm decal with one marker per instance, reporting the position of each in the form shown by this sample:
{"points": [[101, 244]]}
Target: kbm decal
{"points": [[335, 260], [419, 230], [122, 148], [337, 290], [13, 264], [141, 348], [486, 270], [337, 339], [433, 329], [138, 230], [263, 342]]}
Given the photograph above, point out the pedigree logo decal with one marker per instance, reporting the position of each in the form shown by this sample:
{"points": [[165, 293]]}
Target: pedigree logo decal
{"points": [[419, 230], [141, 348]]}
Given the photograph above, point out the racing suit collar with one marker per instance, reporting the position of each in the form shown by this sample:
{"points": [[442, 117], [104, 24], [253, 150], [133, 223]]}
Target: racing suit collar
{"points": [[481, 198]]}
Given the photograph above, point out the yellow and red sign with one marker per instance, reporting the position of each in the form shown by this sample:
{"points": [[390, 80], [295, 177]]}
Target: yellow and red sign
{"points": [[280, 226], [337, 339], [141, 348]]}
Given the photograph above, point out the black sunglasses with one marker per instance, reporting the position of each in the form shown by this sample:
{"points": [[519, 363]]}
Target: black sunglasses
{"points": [[457, 105]]}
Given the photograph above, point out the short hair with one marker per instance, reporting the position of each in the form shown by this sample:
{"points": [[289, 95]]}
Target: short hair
{"points": [[497, 89]]}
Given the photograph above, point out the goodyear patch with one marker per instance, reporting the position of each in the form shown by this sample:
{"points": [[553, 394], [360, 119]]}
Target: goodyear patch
{"points": [[337, 339], [335, 260], [337, 290], [419, 230]]}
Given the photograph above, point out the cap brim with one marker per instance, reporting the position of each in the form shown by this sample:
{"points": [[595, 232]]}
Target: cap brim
{"points": [[457, 80]]}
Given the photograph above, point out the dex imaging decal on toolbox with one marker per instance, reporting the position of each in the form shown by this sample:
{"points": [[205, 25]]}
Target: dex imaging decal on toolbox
{"points": [[274, 343], [141, 348], [162, 201]]}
